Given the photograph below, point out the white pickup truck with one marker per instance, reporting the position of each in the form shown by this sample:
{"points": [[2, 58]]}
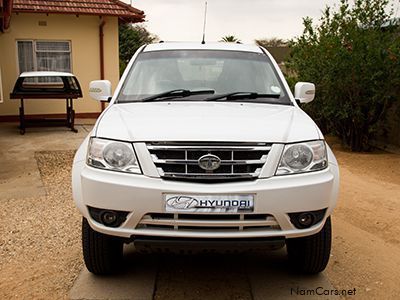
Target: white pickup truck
{"points": [[203, 146]]}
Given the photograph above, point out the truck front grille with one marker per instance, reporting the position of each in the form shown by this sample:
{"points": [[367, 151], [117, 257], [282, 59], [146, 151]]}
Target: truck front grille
{"points": [[180, 161], [208, 222]]}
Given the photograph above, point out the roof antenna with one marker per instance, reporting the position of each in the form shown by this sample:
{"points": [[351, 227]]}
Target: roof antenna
{"points": [[204, 26]]}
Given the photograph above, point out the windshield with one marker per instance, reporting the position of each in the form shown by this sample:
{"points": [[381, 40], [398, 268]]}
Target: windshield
{"points": [[224, 72]]}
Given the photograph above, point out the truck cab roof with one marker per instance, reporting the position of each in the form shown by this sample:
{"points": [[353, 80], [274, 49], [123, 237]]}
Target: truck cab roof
{"points": [[199, 46]]}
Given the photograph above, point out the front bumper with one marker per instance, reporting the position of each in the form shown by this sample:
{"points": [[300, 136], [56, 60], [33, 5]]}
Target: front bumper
{"points": [[141, 195]]}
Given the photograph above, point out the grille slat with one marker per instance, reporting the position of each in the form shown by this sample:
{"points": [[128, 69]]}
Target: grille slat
{"points": [[207, 222], [194, 223], [206, 147], [179, 161], [214, 176], [195, 162]]}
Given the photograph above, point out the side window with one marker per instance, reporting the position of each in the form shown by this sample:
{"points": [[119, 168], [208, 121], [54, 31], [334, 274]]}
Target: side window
{"points": [[72, 83]]}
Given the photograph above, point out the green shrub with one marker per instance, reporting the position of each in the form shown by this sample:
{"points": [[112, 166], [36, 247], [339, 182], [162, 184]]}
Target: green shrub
{"points": [[353, 56], [131, 38]]}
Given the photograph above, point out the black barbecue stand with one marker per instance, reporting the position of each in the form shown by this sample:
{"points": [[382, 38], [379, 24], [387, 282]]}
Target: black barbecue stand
{"points": [[30, 87]]}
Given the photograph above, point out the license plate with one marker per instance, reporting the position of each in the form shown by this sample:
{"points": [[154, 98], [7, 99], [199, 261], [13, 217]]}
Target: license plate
{"points": [[209, 203]]}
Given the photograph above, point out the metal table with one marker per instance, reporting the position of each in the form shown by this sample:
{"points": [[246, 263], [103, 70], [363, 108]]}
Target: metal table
{"points": [[33, 85]]}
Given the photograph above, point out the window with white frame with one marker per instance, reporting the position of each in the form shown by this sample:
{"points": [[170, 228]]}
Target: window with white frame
{"points": [[36, 55]]}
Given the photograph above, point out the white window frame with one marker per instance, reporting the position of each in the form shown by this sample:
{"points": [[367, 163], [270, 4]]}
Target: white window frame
{"points": [[34, 51]]}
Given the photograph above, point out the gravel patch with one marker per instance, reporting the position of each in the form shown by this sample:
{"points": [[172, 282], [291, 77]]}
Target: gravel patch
{"points": [[40, 251]]}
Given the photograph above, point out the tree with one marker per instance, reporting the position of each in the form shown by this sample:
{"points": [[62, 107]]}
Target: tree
{"points": [[353, 56], [230, 39], [272, 42], [131, 38]]}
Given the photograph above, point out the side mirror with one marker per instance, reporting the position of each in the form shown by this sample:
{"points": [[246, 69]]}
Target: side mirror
{"points": [[304, 92], [100, 90]]}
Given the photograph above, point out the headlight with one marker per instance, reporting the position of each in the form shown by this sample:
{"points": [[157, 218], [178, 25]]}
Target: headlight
{"points": [[303, 157], [112, 155]]}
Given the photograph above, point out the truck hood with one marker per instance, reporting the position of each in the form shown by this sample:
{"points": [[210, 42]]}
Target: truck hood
{"points": [[206, 121]]}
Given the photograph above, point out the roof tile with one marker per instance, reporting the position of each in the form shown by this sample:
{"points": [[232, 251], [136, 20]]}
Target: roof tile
{"points": [[82, 7]]}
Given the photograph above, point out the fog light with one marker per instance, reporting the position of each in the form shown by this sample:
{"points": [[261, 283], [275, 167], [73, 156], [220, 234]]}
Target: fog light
{"points": [[305, 219], [109, 217]]}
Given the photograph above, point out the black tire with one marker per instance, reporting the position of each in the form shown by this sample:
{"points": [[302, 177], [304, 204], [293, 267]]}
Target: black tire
{"points": [[102, 253], [311, 254]]}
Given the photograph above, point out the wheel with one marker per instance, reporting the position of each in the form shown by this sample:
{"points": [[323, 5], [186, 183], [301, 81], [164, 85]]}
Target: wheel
{"points": [[102, 253], [311, 254]]}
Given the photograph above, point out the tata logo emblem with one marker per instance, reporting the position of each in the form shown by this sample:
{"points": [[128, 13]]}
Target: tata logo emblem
{"points": [[182, 202], [209, 162]]}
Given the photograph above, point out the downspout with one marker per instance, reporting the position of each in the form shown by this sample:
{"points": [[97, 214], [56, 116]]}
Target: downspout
{"points": [[101, 39]]}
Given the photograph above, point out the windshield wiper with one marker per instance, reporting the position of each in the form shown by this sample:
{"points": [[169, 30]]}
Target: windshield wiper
{"points": [[182, 93], [241, 96]]}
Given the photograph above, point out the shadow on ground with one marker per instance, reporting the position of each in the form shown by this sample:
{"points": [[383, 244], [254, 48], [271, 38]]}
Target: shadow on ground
{"points": [[200, 276]]}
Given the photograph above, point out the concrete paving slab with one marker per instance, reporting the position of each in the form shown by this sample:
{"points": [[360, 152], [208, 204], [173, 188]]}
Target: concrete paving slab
{"points": [[204, 276], [258, 275], [20, 179], [19, 175], [136, 282], [89, 121], [271, 278]]}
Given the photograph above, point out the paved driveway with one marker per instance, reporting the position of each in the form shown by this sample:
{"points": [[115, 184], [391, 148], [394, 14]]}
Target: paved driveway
{"points": [[217, 276], [253, 276]]}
